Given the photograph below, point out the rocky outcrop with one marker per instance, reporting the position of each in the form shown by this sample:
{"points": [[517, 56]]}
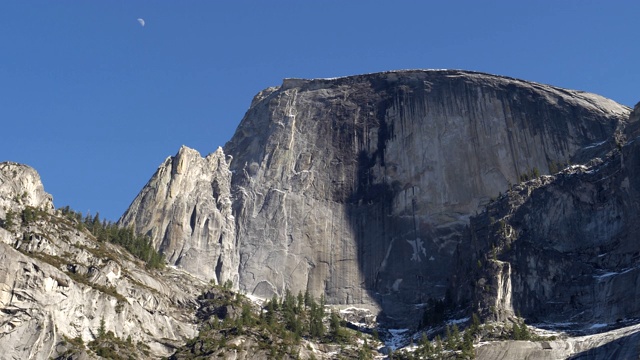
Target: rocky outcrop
{"points": [[569, 241], [361, 188], [20, 186], [616, 344], [58, 283], [186, 210]]}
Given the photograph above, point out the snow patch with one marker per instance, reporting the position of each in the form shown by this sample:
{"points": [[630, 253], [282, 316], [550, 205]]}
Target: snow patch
{"points": [[597, 326], [418, 247], [594, 145], [605, 275], [457, 321], [255, 299], [577, 167], [396, 285], [398, 338], [613, 273]]}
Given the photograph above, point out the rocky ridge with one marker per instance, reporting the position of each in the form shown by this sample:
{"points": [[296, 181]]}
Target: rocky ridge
{"points": [[58, 283]]}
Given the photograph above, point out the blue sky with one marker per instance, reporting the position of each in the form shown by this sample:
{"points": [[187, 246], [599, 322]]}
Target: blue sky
{"points": [[95, 102]]}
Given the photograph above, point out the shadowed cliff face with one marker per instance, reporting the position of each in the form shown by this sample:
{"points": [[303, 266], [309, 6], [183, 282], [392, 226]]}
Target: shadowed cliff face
{"points": [[360, 187], [565, 246]]}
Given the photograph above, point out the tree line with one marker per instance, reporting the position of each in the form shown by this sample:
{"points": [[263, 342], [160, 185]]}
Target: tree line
{"points": [[139, 246]]}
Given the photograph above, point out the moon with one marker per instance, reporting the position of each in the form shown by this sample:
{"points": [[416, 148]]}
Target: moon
{"points": [[141, 21]]}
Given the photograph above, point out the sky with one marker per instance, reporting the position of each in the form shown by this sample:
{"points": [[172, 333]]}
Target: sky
{"points": [[95, 102]]}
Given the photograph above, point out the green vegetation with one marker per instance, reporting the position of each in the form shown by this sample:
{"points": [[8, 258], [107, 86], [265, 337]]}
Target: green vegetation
{"points": [[520, 331], [108, 346], [61, 263], [459, 345], [530, 175], [71, 346], [277, 328], [30, 214], [9, 220], [436, 311], [106, 231], [456, 344]]}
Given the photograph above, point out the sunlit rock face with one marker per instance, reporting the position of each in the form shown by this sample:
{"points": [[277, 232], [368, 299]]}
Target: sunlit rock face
{"points": [[360, 187], [57, 282], [20, 186], [186, 209]]}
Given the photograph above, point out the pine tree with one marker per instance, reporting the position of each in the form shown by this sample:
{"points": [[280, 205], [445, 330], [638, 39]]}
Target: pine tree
{"points": [[475, 324], [438, 346], [334, 326], [426, 348], [101, 329], [457, 340], [300, 304], [467, 344], [316, 328], [449, 342], [9, 220], [307, 298]]}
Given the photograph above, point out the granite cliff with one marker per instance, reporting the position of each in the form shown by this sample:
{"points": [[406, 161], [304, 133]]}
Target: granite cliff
{"points": [[186, 210], [361, 188], [60, 286]]}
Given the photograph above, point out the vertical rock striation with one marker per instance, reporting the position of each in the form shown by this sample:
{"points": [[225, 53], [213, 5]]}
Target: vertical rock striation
{"points": [[186, 210], [570, 241], [360, 187]]}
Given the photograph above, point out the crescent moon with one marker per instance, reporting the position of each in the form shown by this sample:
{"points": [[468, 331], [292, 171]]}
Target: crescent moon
{"points": [[141, 21]]}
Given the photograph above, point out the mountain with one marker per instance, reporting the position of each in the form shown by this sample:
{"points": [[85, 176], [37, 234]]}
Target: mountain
{"points": [[361, 187], [497, 213]]}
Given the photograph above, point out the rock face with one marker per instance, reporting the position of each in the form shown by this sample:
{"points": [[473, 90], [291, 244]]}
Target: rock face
{"points": [[611, 345], [186, 209], [57, 282], [361, 187], [20, 186], [562, 248]]}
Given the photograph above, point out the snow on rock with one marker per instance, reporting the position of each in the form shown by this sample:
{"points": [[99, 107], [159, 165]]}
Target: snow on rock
{"points": [[398, 338], [457, 321]]}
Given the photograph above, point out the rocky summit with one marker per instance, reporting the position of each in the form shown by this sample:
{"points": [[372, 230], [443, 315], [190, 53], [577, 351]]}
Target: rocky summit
{"points": [[439, 200]]}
